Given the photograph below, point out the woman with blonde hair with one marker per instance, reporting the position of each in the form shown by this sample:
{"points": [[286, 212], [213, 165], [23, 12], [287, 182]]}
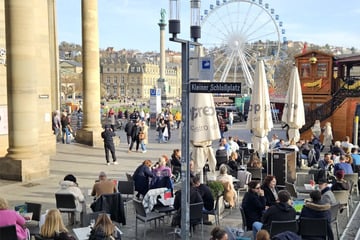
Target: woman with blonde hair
{"points": [[230, 193], [162, 170], [104, 229], [54, 227], [11, 217]]}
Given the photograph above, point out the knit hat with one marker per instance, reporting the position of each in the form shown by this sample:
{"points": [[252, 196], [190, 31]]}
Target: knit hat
{"points": [[340, 174], [70, 177], [102, 174]]}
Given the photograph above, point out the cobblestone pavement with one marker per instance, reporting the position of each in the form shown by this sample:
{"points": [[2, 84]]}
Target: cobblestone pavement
{"points": [[86, 163]]}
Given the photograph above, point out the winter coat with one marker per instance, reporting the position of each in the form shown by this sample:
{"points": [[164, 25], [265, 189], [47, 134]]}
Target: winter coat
{"points": [[318, 210], [253, 206], [141, 178], [278, 212]]}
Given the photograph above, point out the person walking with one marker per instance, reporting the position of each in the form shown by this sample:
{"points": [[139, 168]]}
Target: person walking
{"points": [[128, 128], [135, 136], [178, 119], [231, 118], [108, 135], [143, 136]]}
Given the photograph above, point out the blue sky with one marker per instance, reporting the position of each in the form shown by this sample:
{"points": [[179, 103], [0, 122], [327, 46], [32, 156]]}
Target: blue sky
{"points": [[132, 24]]}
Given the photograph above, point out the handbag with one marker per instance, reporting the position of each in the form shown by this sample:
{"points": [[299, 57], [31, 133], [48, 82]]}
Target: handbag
{"points": [[141, 135], [226, 128]]}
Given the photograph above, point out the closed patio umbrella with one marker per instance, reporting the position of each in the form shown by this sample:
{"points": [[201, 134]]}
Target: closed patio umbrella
{"points": [[204, 129], [293, 113], [259, 117]]}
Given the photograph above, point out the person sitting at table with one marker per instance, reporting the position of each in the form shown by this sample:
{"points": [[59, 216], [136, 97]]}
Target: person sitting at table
{"points": [[195, 197], [142, 176], [69, 185], [253, 203], [11, 217], [337, 149], [205, 194], [230, 193], [254, 161], [327, 164], [104, 229], [327, 196], [103, 186], [315, 208], [233, 146], [342, 164], [270, 191], [281, 211], [232, 164], [176, 164], [340, 183], [162, 170], [221, 155], [54, 227]]}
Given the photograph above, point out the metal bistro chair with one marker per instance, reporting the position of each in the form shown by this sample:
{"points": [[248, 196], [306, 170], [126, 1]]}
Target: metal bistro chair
{"points": [[303, 178], [196, 217], [293, 193], [334, 217], [35, 209], [354, 178], [342, 196], [8, 232], [66, 204], [127, 190], [214, 211], [313, 227], [282, 226], [256, 173], [145, 217]]}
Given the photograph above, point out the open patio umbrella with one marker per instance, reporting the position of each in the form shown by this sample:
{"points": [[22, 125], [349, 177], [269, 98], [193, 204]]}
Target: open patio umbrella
{"points": [[259, 118], [293, 113], [204, 129]]}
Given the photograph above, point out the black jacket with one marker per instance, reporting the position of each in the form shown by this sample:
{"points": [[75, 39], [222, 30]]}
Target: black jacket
{"points": [[128, 127], [278, 212], [318, 210], [108, 135], [194, 198], [112, 204], [207, 196], [270, 198], [253, 206]]}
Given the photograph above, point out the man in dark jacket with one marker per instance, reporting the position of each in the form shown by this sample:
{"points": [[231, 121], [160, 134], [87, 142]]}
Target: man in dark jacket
{"points": [[317, 209], [205, 194], [128, 130], [281, 211], [108, 135]]}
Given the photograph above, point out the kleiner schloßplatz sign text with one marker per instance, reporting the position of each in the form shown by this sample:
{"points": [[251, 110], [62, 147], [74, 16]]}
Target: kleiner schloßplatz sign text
{"points": [[215, 87]]}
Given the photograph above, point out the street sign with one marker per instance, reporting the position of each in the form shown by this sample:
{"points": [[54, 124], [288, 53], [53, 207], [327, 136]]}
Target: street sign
{"points": [[206, 69], [211, 87]]}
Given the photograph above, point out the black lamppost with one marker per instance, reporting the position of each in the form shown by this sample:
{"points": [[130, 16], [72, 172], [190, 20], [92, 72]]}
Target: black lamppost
{"points": [[195, 34]]}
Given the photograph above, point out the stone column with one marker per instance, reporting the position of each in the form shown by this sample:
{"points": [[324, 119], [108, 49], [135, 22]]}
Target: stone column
{"points": [[47, 139], [162, 83], [90, 134], [24, 160], [4, 143], [54, 57]]}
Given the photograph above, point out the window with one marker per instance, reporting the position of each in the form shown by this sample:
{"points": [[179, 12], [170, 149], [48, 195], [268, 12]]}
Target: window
{"points": [[305, 70], [322, 70], [108, 79], [115, 79]]}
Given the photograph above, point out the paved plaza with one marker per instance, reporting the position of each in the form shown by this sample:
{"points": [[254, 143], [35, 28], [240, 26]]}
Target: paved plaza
{"points": [[86, 163]]}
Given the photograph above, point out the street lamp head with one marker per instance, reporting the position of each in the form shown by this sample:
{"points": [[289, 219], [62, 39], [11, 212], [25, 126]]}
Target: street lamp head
{"points": [[195, 30], [174, 18]]}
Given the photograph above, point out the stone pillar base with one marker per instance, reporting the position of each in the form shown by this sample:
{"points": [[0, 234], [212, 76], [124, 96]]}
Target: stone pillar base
{"points": [[24, 169], [90, 138]]}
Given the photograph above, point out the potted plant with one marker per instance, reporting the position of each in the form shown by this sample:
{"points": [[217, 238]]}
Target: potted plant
{"points": [[217, 188]]}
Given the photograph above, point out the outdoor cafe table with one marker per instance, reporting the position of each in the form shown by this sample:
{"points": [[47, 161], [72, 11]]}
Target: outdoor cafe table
{"points": [[306, 188]]}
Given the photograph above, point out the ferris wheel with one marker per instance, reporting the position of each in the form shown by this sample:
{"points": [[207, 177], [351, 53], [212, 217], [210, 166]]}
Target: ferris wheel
{"points": [[236, 34]]}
